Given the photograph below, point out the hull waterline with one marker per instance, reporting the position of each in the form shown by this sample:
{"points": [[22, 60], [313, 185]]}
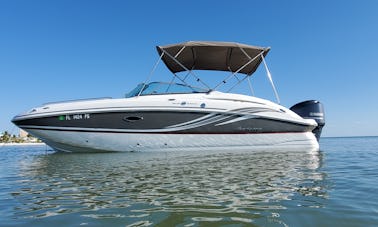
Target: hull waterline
{"points": [[124, 142]]}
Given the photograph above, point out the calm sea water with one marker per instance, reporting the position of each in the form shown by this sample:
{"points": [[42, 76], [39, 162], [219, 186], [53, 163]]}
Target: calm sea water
{"points": [[337, 186]]}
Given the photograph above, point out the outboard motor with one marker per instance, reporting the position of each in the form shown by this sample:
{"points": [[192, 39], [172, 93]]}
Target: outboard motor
{"points": [[311, 109]]}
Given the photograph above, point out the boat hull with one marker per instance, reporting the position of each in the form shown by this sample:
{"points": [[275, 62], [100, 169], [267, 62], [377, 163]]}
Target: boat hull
{"points": [[76, 141], [169, 122]]}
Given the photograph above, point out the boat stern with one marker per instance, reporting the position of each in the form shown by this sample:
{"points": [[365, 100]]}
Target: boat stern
{"points": [[311, 109]]}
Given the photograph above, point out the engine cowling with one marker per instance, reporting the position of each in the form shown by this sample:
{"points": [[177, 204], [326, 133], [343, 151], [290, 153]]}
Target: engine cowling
{"points": [[311, 109]]}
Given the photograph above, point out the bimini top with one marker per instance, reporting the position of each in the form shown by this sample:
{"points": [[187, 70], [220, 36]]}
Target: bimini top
{"points": [[221, 56]]}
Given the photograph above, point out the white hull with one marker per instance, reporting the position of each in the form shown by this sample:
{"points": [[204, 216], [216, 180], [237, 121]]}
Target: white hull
{"points": [[120, 142]]}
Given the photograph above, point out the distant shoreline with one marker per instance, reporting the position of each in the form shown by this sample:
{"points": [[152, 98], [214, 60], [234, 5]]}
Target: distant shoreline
{"points": [[21, 144]]}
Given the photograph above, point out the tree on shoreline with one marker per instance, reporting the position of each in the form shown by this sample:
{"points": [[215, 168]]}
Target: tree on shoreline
{"points": [[6, 137]]}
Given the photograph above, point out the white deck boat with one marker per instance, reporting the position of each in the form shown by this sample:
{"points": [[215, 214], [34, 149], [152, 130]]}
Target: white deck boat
{"points": [[178, 116]]}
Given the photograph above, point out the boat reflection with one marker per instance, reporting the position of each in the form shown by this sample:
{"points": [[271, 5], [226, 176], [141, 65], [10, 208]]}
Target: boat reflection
{"points": [[172, 187]]}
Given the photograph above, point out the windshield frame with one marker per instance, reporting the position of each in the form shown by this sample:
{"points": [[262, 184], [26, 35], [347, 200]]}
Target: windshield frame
{"points": [[163, 88]]}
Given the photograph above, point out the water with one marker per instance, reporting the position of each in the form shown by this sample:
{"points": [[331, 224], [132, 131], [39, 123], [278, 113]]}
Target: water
{"points": [[334, 187]]}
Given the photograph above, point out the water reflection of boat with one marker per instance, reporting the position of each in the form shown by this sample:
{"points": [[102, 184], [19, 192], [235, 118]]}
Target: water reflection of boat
{"points": [[173, 116], [177, 186]]}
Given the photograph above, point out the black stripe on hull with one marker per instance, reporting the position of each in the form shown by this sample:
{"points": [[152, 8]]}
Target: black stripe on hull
{"points": [[115, 120]]}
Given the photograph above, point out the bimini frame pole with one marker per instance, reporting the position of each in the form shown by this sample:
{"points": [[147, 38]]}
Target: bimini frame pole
{"points": [[182, 66], [270, 79], [242, 80], [154, 68], [250, 87], [152, 72], [237, 71]]}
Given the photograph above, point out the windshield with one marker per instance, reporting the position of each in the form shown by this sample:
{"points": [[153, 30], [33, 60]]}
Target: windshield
{"points": [[158, 88]]}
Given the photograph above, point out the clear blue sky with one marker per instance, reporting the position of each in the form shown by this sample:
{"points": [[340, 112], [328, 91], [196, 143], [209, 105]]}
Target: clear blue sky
{"points": [[61, 50]]}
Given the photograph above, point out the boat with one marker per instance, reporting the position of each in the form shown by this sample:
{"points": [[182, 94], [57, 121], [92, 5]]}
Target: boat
{"points": [[178, 115]]}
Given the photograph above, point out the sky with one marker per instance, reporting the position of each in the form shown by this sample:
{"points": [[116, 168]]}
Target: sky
{"points": [[73, 49]]}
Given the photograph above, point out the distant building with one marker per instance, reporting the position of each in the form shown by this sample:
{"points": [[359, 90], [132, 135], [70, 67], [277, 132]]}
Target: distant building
{"points": [[23, 134]]}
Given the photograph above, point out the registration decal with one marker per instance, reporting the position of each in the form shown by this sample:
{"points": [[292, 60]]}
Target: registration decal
{"points": [[69, 117]]}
